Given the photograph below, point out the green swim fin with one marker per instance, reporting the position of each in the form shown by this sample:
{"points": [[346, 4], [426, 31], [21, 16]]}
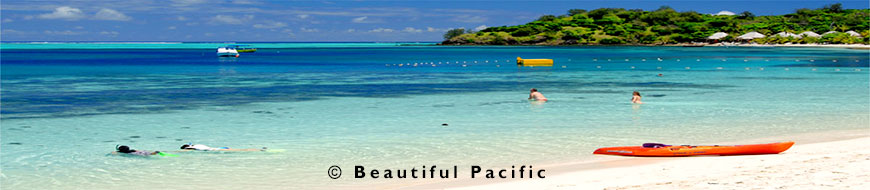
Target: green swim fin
{"points": [[166, 154]]}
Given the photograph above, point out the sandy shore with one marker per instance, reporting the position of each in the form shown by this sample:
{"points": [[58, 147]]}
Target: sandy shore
{"points": [[851, 46], [842, 164], [819, 160]]}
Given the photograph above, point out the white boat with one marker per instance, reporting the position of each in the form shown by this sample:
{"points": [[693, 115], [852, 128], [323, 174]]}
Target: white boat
{"points": [[227, 52]]}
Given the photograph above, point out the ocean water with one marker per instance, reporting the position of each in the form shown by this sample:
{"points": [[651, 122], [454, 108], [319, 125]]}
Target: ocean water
{"points": [[64, 109]]}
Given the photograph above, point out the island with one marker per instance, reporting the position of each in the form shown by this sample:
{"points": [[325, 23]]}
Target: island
{"points": [[830, 24]]}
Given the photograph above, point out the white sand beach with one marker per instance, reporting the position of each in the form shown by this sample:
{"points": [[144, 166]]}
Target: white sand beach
{"points": [[852, 46], [842, 164]]}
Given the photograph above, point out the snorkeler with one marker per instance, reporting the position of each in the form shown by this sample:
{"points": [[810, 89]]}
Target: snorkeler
{"points": [[537, 96], [123, 149], [635, 98], [191, 147]]}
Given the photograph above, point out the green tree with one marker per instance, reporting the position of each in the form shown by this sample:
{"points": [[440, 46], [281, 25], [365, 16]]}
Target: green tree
{"points": [[546, 18], [572, 12], [834, 8], [746, 15], [453, 33]]}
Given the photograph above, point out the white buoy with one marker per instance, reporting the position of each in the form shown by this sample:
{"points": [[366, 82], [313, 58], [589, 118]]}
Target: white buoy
{"points": [[659, 68], [626, 59], [814, 69], [797, 60], [834, 60], [786, 69], [856, 60], [812, 60], [745, 60], [678, 60], [598, 67], [475, 61], [643, 60], [761, 69], [464, 65], [698, 60], [767, 60], [836, 69], [608, 60], [632, 67], [687, 68], [563, 66], [487, 61], [723, 60], [594, 59], [496, 61], [497, 65]]}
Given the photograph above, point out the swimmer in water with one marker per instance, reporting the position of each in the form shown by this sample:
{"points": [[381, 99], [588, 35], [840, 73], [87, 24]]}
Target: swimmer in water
{"points": [[537, 96], [123, 149], [635, 98], [192, 147]]}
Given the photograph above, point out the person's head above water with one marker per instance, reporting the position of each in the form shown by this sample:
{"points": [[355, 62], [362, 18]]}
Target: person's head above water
{"points": [[636, 93], [534, 90], [186, 146], [124, 149]]}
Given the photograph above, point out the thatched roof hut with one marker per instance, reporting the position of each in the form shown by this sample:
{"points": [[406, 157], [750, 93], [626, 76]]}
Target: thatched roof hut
{"points": [[750, 35], [810, 34], [717, 35]]}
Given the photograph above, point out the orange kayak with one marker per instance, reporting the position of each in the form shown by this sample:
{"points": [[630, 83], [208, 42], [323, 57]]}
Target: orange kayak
{"points": [[662, 150]]}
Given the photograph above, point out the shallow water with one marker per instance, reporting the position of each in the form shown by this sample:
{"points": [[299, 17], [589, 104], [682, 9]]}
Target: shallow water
{"points": [[64, 110]]}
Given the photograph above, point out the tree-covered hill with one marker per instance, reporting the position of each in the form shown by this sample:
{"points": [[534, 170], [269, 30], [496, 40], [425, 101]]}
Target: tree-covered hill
{"points": [[667, 26]]}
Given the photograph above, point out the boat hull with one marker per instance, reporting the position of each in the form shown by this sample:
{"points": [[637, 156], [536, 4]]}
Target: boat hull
{"points": [[227, 52], [686, 150]]}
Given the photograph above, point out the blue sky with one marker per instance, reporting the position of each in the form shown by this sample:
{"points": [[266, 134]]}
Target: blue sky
{"points": [[301, 21]]}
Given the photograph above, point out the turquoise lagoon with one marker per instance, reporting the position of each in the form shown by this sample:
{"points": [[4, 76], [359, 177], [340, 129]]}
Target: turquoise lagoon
{"points": [[64, 109]]}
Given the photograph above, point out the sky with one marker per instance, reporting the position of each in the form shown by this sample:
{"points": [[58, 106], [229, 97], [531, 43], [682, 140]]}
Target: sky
{"points": [[312, 21]]}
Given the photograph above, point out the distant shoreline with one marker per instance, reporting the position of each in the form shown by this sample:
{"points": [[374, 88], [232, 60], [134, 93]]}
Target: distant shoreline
{"points": [[851, 46]]}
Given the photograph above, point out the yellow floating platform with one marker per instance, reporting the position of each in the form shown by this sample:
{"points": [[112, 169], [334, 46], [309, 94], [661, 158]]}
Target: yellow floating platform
{"points": [[535, 62]]}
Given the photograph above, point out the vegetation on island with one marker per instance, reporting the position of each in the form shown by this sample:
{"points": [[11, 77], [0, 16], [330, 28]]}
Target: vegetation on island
{"points": [[667, 26]]}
